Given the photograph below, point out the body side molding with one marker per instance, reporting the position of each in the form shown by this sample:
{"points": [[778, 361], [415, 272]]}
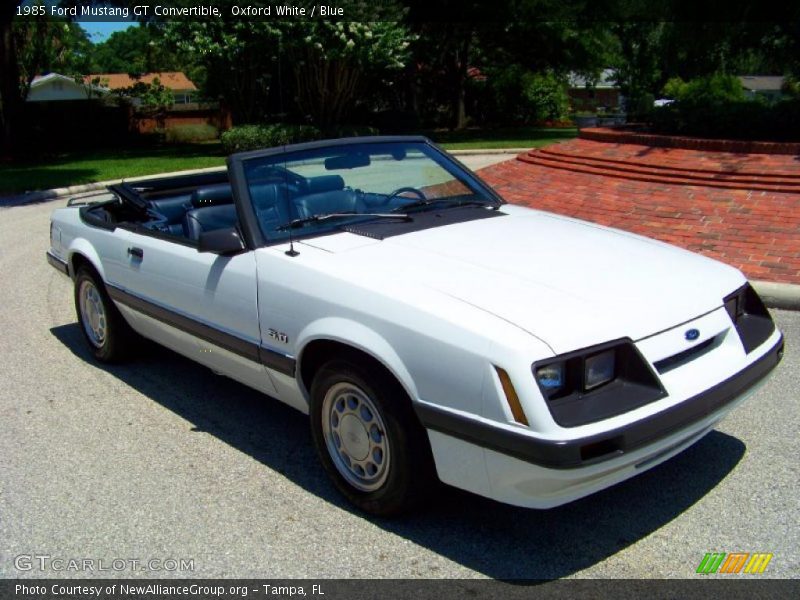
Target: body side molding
{"points": [[270, 358]]}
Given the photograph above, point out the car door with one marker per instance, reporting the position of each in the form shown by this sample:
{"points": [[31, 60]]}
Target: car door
{"points": [[200, 304]]}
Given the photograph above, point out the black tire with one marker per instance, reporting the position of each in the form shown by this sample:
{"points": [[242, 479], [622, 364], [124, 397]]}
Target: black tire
{"points": [[407, 474], [108, 335]]}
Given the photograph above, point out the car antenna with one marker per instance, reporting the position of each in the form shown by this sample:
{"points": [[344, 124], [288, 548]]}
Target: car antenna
{"points": [[291, 251]]}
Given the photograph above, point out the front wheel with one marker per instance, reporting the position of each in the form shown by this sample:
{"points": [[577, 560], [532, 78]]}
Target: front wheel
{"points": [[368, 438], [108, 335]]}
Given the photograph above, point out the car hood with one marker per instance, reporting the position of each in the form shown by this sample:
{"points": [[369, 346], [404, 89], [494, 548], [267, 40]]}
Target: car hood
{"points": [[567, 282]]}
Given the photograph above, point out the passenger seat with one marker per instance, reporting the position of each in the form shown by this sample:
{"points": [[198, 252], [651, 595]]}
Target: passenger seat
{"points": [[209, 218]]}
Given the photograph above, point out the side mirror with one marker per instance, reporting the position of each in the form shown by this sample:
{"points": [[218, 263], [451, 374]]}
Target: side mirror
{"points": [[224, 242]]}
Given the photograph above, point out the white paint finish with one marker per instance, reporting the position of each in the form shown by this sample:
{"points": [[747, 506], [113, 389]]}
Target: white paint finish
{"points": [[542, 271]]}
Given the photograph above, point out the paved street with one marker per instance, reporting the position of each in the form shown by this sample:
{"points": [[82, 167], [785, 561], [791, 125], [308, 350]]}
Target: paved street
{"points": [[162, 459]]}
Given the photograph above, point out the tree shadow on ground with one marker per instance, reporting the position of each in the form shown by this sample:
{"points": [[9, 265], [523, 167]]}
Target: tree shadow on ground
{"points": [[496, 540]]}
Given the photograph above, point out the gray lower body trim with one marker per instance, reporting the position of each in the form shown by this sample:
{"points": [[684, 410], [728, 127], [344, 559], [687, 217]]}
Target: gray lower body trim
{"points": [[271, 359], [57, 263], [580, 452]]}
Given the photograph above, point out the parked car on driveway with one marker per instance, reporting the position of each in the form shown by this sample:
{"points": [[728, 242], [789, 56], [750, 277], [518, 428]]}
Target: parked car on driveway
{"points": [[429, 329]]}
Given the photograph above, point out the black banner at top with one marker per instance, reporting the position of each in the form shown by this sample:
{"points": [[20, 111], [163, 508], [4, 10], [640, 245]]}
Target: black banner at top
{"points": [[462, 11]]}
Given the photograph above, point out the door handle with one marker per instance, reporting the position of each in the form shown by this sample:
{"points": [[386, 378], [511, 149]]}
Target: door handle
{"points": [[136, 252]]}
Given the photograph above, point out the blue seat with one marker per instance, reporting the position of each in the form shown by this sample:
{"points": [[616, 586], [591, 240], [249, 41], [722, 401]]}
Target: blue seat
{"points": [[213, 195], [209, 218]]}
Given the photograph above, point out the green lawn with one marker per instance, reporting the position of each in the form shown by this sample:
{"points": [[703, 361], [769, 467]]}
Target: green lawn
{"points": [[102, 165]]}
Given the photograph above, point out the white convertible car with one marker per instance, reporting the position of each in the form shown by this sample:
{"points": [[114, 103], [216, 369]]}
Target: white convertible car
{"points": [[427, 327]]}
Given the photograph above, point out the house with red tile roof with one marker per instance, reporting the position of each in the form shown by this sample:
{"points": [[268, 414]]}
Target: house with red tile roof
{"points": [[183, 89]]}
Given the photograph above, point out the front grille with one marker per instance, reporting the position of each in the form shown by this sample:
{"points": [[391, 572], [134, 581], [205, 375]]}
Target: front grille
{"points": [[676, 360]]}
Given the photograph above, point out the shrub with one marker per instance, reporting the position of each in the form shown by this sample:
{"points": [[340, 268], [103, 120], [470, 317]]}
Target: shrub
{"points": [[254, 137], [744, 120], [187, 134], [705, 91], [521, 96], [641, 107], [544, 97]]}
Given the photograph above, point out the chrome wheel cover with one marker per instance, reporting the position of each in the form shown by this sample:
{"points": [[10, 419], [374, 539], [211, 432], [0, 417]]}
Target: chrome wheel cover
{"points": [[355, 436], [93, 313]]}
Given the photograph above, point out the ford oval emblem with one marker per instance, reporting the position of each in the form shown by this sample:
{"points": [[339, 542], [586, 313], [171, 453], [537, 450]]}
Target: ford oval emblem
{"points": [[692, 335]]}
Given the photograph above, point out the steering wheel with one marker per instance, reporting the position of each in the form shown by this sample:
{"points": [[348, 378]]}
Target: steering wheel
{"points": [[409, 189]]}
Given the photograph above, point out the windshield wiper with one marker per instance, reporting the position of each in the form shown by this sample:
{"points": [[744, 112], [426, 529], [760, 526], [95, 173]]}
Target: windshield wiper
{"points": [[450, 203], [416, 204], [297, 223]]}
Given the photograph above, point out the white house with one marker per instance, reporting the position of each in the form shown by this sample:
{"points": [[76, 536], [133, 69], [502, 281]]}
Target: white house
{"points": [[54, 87]]}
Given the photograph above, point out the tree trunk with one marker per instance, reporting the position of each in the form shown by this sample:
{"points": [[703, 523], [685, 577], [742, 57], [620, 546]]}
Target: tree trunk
{"points": [[461, 66], [10, 96]]}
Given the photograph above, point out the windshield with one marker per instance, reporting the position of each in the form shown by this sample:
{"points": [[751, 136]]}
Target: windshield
{"points": [[352, 184]]}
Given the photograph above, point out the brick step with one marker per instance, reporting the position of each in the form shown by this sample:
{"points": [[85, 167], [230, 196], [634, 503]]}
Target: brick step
{"points": [[676, 179], [765, 176]]}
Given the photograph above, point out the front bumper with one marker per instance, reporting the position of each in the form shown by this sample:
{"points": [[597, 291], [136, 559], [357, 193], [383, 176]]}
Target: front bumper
{"points": [[586, 451]]}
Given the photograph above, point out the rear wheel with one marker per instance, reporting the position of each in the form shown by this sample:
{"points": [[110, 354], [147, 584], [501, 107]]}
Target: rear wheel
{"points": [[368, 438], [108, 335]]}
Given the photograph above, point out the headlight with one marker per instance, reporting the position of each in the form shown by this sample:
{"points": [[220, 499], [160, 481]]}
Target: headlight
{"points": [[599, 369], [750, 317], [596, 383], [551, 377]]}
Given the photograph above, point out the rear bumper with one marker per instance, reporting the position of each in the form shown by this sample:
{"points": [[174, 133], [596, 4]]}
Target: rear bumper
{"points": [[587, 451], [57, 263]]}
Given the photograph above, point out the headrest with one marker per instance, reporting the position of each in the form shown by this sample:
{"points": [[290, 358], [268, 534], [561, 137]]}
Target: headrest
{"points": [[213, 195], [323, 183], [264, 195]]}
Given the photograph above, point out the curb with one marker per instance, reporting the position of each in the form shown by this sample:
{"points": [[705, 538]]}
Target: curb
{"points": [[488, 151], [778, 295]]}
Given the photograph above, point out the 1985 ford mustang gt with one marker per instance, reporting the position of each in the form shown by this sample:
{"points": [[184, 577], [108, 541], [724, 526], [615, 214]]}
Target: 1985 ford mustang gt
{"points": [[427, 327]]}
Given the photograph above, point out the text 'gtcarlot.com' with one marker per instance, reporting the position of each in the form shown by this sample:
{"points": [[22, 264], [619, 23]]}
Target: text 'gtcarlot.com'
{"points": [[46, 562]]}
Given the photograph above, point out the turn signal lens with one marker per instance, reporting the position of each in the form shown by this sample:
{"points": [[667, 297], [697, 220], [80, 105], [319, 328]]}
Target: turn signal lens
{"points": [[511, 397]]}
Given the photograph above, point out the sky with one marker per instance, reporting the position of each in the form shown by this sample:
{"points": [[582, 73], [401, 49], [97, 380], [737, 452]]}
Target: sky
{"points": [[99, 31]]}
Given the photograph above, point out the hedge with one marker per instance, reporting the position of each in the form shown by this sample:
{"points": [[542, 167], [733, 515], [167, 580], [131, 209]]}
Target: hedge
{"points": [[255, 137]]}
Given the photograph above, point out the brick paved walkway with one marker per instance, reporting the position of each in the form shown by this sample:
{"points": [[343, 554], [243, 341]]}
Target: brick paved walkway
{"points": [[743, 209]]}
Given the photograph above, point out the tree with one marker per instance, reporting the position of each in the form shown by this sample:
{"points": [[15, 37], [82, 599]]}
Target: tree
{"points": [[134, 51], [240, 58], [50, 46], [28, 46], [10, 92], [331, 61], [324, 64]]}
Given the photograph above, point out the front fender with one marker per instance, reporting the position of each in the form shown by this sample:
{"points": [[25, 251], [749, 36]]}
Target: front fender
{"points": [[361, 337]]}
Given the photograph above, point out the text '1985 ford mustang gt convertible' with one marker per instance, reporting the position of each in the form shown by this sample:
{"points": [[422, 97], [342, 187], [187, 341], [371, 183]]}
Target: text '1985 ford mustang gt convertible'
{"points": [[428, 328]]}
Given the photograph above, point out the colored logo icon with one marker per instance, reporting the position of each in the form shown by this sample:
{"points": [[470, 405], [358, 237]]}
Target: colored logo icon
{"points": [[734, 562]]}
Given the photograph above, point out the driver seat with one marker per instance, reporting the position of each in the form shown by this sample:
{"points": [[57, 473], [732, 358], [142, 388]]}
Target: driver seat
{"points": [[327, 202]]}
